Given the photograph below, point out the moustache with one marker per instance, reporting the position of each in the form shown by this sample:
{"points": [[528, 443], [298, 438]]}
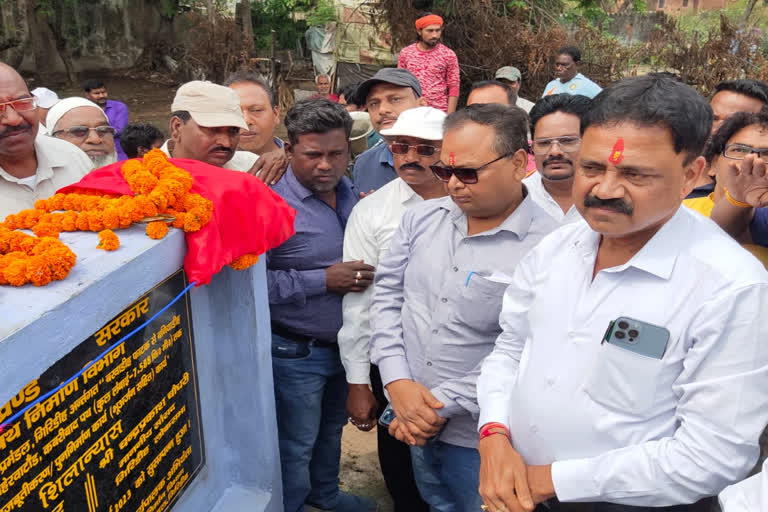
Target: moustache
{"points": [[556, 160], [25, 127], [412, 165], [617, 205], [222, 148]]}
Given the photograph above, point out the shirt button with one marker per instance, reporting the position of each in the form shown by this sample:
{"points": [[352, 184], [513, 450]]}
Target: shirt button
{"points": [[534, 429], [434, 331], [571, 334], [429, 363], [550, 382], [443, 300], [455, 269]]}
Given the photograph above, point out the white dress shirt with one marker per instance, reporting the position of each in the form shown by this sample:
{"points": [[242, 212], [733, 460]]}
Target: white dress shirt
{"points": [[524, 104], [750, 495], [59, 163], [617, 426], [369, 231], [540, 195], [240, 161]]}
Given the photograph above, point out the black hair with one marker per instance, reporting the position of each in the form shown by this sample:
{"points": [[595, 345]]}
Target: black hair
{"points": [[317, 115], [137, 135], [349, 92], [752, 88], [508, 123], [738, 121], [250, 77], [652, 100], [511, 94], [92, 83], [575, 104], [574, 52], [184, 115]]}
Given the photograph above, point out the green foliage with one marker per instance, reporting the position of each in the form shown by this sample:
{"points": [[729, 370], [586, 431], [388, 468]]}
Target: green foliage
{"points": [[704, 21], [323, 12], [279, 15]]}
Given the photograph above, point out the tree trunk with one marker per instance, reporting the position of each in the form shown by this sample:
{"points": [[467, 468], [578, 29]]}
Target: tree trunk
{"points": [[749, 9], [210, 9], [243, 13]]}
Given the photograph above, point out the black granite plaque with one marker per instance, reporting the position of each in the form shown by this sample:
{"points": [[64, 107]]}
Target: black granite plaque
{"points": [[125, 433]]}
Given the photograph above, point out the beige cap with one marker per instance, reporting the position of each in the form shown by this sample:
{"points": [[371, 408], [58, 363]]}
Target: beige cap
{"points": [[361, 129], [210, 105]]}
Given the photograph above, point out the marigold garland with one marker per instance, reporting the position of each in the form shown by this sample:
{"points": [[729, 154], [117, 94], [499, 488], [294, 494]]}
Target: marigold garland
{"points": [[161, 190], [29, 259]]}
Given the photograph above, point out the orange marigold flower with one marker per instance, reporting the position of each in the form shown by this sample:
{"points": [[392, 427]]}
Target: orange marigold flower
{"points": [[16, 271], [38, 271], [82, 221], [111, 218], [108, 240], [69, 221], [244, 261], [157, 230], [46, 229]]}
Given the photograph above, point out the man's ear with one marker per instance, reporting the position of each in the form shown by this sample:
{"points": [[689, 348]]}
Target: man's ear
{"points": [[288, 148], [175, 127], [692, 173], [422, 102], [520, 164], [276, 112]]}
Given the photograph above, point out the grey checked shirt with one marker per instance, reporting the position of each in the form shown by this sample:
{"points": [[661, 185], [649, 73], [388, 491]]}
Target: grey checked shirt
{"points": [[437, 299]]}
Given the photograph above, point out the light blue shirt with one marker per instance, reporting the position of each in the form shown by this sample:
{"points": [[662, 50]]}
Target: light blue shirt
{"points": [[576, 85], [437, 299]]}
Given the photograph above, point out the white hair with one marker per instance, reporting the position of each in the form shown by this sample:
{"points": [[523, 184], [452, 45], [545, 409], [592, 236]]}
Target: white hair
{"points": [[317, 78]]}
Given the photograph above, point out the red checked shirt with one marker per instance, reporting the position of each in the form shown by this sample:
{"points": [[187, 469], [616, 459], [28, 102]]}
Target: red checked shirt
{"points": [[437, 71]]}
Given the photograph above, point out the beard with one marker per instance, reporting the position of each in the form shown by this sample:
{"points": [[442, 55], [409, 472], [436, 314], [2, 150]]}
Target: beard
{"points": [[102, 160]]}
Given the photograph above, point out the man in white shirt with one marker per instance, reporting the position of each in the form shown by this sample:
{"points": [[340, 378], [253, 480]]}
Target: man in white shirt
{"points": [[631, 372], [31, 167], [512, 77], [555, 130], [414, 140], [206, 120], [83, 123], [750, 495]]}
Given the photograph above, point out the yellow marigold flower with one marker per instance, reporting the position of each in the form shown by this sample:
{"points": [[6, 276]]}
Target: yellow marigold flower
{"points": [[108, 240], [244, 261], [157, 230]]}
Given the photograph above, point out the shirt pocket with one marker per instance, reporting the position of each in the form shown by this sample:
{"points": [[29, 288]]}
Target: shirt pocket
{"points": [[623, 380], [479, 304]]}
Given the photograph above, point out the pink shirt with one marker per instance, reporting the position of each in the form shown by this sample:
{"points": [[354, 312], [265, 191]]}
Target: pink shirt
{"points": [[437, 71]]}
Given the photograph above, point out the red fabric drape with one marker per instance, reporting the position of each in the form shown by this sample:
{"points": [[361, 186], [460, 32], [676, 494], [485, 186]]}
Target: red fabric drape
{"points": [[248, 217]]}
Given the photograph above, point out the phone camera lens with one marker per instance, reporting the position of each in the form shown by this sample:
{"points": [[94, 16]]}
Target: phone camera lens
{"points": [[633, 333], [623, 325], [620, 335]]}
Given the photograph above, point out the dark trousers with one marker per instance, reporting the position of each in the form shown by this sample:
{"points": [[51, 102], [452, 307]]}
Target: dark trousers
{"points": [[395, 460], [704, 505]]}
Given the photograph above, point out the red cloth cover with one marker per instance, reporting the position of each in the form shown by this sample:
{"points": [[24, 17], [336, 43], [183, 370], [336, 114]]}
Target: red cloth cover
{"points": [[248, 217]]}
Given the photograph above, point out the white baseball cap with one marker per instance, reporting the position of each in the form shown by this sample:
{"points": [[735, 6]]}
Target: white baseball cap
{"points": [[45, 97], [420, 122], [209, 104]]}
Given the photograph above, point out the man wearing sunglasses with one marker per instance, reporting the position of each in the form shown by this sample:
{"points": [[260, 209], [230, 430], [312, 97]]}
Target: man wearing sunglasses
{"points": [[81, 122], [438, 295], [415, 140], [31, 167], [555, 123]]}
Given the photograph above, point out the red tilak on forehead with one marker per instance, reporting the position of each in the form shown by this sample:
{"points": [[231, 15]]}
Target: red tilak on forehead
{"points": [[451, 158], [617, 153]]}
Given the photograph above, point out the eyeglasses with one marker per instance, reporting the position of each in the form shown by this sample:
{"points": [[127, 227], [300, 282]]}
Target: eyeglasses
{"points": [[567, 144], [81, 132], [401, 148], [740, 152], [22, 105], [465, 175]]}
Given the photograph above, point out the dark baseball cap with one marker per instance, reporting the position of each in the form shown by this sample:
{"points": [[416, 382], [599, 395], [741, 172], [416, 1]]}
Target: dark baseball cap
{"points": [[394, 76]]}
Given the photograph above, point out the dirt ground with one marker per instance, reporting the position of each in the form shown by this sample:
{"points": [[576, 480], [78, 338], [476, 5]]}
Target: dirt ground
{"points": [[148, 102], [360, 472]]}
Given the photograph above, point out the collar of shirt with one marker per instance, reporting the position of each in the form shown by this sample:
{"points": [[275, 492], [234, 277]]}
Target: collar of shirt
{"points": [[385, 155], [658, 255], [518, 222], [405, 192], [47, 159]]}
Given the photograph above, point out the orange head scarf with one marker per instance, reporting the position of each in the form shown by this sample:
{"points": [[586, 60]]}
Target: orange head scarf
{"points": [[429, 19]]}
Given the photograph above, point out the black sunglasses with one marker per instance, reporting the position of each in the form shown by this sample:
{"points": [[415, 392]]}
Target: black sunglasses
{"points": [[465, 175], [401, 148]]}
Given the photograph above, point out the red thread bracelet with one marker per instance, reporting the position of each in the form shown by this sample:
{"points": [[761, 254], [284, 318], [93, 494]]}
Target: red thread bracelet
{"points": [[490, 429]]}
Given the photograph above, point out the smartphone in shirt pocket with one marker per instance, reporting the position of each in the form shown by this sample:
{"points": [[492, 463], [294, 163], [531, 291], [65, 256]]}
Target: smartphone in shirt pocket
{"points": [[639, 337]]}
